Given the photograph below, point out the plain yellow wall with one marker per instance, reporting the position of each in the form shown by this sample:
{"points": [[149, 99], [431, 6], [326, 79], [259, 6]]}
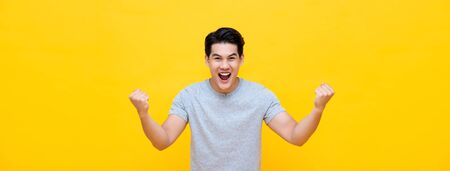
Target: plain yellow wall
{"points": [[67, 68]]}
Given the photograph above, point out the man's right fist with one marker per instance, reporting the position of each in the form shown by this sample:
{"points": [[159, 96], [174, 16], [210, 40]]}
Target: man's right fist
{"points": [[140, 101]]}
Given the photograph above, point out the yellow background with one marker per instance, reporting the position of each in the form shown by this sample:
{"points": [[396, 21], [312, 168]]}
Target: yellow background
{"points": [[67, 68]]}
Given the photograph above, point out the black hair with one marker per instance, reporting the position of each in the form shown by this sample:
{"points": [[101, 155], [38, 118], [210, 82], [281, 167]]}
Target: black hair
{"points": [[224, 35]]}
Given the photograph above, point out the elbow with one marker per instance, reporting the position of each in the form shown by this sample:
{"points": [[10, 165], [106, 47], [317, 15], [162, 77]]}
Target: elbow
{"points": [[160, 144], [160, 147], [299, 143]]}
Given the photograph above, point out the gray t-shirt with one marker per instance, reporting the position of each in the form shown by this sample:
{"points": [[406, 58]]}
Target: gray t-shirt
{"points": [[226, 128]]}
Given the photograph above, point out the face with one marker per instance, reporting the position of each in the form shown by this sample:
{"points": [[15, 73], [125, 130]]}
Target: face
{"points": [[224, 63]]}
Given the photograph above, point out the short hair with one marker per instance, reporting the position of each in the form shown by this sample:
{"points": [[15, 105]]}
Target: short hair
{"points": [[224, 35]]}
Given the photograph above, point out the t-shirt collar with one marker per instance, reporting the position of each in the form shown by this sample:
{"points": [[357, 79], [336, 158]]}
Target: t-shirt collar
{"points": [[225, 94]]}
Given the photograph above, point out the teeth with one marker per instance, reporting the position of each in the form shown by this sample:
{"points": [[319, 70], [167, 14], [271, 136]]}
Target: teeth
{"points": [[225, 74]]}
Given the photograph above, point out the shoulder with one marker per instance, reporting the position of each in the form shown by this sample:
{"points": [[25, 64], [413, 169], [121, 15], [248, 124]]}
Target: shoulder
{"points": [[257, 88], [193, 88]]}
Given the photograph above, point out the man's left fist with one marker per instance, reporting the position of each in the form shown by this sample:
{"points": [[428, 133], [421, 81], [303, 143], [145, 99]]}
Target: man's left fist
{"points": [[323, 94]]}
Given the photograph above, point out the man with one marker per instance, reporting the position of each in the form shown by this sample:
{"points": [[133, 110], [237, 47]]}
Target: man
{"points": [[225, 112]]}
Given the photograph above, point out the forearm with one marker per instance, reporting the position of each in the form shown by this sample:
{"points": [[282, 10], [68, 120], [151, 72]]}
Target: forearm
{"points": [[306, 127], [154, 132]]}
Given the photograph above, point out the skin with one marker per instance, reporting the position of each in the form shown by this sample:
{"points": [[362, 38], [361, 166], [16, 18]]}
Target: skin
{"points": [[224, 57]]}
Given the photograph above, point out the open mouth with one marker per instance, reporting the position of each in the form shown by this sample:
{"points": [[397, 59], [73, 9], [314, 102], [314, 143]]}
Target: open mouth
{"points": [[224, 75]]}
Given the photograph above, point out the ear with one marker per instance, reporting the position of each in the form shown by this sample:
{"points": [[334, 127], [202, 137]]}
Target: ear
{"points": [[206, 60], [242, 59]]}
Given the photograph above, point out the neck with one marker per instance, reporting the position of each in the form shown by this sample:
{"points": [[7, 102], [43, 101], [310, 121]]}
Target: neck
{"points": [[231, 89]]}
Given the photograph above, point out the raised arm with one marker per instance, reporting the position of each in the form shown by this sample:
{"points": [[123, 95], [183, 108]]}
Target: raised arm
{"points": [[163, 136], [298, 133]]}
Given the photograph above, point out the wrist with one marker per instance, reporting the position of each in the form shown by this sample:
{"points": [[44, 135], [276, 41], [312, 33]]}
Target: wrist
{"points": [[318, 109], [143, 114]]}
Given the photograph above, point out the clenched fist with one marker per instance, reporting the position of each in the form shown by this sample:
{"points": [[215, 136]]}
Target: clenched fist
{"points": [[140, 101], [323, 94]]}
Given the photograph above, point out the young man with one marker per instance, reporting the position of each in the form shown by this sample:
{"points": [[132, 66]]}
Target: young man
{"points": [[225, 112]]}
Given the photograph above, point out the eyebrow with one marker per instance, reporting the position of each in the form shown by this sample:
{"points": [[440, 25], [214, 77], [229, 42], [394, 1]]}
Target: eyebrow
{"points": [[215, 54]]}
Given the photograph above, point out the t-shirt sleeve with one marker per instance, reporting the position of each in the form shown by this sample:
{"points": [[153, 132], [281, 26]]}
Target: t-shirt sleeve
{"points": [[274, 107], [178, 107]]}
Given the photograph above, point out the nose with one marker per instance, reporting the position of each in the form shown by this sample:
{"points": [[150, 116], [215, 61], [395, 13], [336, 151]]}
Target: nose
{"points": [[224, 65]]}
